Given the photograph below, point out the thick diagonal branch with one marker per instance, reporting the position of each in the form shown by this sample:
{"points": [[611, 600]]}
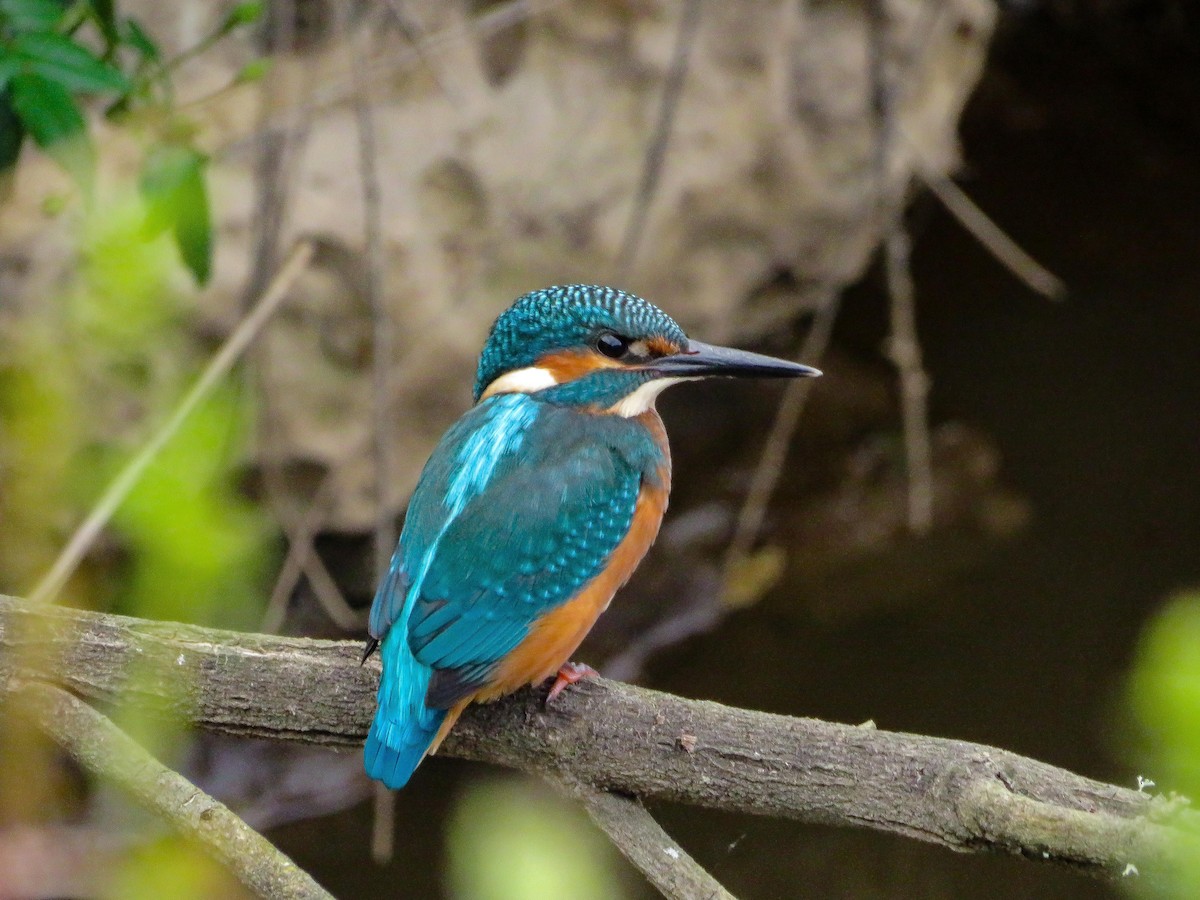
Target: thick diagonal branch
{"points": [[612, 736], [105, 750]]}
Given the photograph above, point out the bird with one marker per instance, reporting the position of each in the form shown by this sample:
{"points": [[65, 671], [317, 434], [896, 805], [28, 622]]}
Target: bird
{"points": [[532, 511]]}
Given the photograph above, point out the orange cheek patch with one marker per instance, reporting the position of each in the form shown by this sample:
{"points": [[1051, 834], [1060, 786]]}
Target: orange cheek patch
{"points": [[662, 347], [567, 365]]}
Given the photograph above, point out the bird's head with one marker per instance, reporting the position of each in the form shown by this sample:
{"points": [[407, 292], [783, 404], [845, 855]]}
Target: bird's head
{"points": [[601, 348]]}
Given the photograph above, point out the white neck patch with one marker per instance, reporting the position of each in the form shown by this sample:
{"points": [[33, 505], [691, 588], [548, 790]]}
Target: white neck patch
{"points": [[521, 381], [643, 398]]}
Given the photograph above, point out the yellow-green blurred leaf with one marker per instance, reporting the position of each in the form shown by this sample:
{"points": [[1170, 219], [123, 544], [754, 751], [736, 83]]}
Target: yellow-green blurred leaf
{"points": [[253, 70], [513, 840], [1165, 697], [176, 194], [752, 576], [175, 869]]}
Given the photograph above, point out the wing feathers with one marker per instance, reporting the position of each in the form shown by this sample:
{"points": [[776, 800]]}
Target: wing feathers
{"points": [[520, 507]]}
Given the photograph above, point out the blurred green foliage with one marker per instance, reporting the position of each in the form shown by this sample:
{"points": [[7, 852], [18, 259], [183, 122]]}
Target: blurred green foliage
{"points": [[511, 839], [172, 868], [1165, 698], [55, 54], [86, 378], [90, 370]]}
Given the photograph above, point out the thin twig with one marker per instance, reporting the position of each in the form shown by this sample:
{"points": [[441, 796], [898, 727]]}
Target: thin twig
{"points": [[278, 153], [302, 559], [774, 453], [904, 349], [383, 336], [383, 354], [299, 537], [411, 32], [220, 365], [645, 844], [103, 749], [656, 151], [993, 238]]}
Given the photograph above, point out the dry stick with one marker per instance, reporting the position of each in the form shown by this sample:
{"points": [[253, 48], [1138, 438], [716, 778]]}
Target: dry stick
{"points": [[904, 349], [493, 20], [274, 167], [770, 463], [656, 152], [978, 224], [412, 33], [220, 365], [383, 347], [615, 737], [103, 749], [299, 540], [903, 346], [645, 844], [302, 559]]}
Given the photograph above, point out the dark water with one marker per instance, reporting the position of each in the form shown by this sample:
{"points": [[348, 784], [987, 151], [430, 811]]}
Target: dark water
{"points": [[1088, 163]]}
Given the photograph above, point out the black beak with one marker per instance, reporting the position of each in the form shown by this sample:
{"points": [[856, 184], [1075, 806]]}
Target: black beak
{"points": [[706, 361]]}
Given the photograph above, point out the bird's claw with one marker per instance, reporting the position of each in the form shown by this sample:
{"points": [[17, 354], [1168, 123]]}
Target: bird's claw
{"points": [[569, 673]]}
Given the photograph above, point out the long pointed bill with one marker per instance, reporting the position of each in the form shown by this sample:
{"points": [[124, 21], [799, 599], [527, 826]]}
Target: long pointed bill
{"points": [[706, 361]]}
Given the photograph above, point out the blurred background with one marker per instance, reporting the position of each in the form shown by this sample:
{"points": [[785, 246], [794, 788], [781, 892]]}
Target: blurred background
{"points": [[1008, 557]]}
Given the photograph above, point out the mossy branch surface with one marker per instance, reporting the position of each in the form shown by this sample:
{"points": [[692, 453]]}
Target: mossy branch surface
{"points": [[103, 749], [610, 736]]}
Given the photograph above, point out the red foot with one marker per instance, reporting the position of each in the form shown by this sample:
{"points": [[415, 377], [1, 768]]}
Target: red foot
{"points": [[570, 673]]}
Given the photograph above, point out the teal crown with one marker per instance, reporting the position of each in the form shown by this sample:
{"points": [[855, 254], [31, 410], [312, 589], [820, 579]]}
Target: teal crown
{"points": [[564, 318]]}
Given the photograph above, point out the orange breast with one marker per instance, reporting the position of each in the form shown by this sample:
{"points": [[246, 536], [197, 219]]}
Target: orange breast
{"points": [[559, 633]]}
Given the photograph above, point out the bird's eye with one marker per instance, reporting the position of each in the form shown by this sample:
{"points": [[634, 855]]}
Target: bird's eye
{"points": [[611, 345]]}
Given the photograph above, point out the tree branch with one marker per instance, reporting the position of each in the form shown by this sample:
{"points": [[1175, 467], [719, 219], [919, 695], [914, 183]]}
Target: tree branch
{"points": [[645, 844], [615, 737], [102, 748]]}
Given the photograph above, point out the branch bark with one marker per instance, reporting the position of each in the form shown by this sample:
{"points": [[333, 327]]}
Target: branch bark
{"points": [[615, 737], [105, 750]]}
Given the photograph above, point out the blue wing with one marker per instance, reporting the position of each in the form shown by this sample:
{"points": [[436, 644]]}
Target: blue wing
{"points": [[519, 507]]}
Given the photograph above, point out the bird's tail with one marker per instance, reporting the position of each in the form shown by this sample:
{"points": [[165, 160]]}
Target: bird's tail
{"points": [[404, 727]]}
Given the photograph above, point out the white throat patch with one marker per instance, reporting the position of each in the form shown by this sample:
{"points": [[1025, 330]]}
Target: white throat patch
{"points": [[521, 381], [643, 398]]}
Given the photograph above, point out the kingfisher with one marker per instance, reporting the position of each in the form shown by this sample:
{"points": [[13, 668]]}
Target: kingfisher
{"points": [[533, 510]]}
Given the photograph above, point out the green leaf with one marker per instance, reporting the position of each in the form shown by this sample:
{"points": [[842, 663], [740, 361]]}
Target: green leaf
{"points": [[193, 227], [135, 37], [166, 168], [242, 14], [9, 66], [46, 109], [176, 195], [253, 71], [105, 14], [12, 133], [30, 15], [59, 58], [49, 114]]}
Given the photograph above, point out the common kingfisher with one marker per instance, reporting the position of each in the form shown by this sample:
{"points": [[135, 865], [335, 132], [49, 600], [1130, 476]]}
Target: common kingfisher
{"points": [[535, 507]]}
